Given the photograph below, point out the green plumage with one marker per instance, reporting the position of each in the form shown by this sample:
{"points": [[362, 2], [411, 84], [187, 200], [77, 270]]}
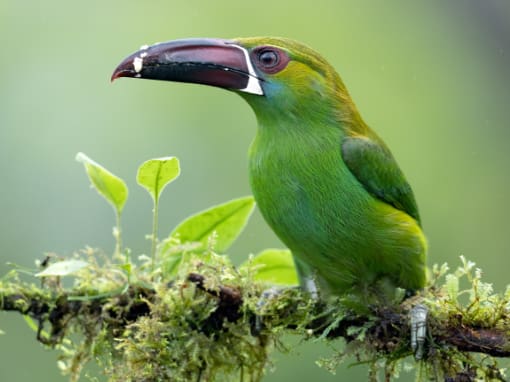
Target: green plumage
{"points": [[327, 184], [323, 180]]}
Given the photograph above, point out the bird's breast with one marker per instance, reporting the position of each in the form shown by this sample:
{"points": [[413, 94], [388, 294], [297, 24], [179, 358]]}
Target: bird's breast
{"points": [[304, 190]]}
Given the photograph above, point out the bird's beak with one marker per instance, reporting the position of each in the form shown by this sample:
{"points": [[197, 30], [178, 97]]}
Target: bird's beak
{"points": [[213, 62]]}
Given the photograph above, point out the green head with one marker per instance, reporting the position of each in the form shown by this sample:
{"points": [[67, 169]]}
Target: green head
{"points": [[278, 77], [295, 79]]}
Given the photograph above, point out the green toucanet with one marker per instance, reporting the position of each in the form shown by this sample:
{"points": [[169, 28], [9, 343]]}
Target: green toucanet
{"points": [[324, 181]]}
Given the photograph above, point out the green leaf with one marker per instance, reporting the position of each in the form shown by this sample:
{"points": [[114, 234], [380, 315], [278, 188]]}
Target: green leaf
{"points": [[155, 174], [226, 220], [274, 266], [111, 187], [63, 268]]}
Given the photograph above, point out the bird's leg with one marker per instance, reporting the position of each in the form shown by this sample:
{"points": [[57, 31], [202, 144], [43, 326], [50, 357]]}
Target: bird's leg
{"points": [[307, 279], [418, 318], [308, 285]]}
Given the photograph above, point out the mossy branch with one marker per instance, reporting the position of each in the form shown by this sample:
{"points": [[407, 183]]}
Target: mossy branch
{"points": [[213, 323], [386, 326]]}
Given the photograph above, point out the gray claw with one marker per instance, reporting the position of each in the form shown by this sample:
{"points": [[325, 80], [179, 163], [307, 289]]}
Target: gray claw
{"points": [[418, 329]]}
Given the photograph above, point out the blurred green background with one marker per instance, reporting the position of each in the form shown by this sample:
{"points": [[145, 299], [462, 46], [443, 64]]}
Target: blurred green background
{"points": [[432, 78]]}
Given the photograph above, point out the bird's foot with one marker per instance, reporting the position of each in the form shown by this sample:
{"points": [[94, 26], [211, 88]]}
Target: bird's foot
{"points": [[266, 296], [418, 318], [307, 284]]}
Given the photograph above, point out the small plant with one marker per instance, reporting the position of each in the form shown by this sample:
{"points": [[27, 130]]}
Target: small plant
{"points": [[165, 338]]}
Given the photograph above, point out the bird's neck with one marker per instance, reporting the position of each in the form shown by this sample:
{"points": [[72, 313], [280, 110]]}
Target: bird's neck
{"points": [[289, 117], [305, 116]]}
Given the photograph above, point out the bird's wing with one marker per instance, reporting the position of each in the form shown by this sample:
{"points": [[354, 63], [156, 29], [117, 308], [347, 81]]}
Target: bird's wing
{"points": [[375, 168]]}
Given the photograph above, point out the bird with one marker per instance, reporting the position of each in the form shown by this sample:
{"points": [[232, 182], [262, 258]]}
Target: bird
{"points": [[324, 181]]}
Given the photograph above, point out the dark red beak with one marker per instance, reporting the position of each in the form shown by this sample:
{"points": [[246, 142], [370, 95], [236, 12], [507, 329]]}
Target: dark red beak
{"points": [[213, 62]]}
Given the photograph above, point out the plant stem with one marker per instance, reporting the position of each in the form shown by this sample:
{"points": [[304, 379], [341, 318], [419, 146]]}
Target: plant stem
{"points": [[154, 232], [118, 238], [118, 248]]}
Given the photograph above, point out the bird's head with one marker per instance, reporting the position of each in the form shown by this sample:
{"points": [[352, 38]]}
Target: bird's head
{"points": [[277, 76]]}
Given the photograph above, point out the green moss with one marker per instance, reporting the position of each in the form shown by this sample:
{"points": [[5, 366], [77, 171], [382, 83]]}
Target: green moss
{"points": [[210, 323]]}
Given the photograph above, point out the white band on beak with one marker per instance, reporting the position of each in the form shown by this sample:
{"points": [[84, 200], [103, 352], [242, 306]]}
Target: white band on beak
{"points": [[253, 85]]}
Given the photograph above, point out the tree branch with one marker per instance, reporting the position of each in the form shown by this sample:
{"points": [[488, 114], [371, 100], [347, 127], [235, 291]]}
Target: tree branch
{"points": [[228, 314]]}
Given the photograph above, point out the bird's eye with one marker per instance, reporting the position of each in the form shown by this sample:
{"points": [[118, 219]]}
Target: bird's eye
{"points": [[270, 59]]}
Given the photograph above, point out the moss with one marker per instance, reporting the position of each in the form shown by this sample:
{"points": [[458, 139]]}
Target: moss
{"points": [[213, 322]]}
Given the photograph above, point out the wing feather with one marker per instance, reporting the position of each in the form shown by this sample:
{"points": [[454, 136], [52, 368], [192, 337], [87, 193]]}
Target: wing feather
{"points": [[375, 168]]}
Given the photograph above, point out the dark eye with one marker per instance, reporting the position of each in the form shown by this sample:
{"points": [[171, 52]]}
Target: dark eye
{"points": [[268, 58]]}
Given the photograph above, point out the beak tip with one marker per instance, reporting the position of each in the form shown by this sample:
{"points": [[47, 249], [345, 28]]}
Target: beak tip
{"points": [[122, 71], [116, 74]]}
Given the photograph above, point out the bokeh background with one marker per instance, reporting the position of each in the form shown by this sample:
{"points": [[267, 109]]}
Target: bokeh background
{"points": [[432, 78]]}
